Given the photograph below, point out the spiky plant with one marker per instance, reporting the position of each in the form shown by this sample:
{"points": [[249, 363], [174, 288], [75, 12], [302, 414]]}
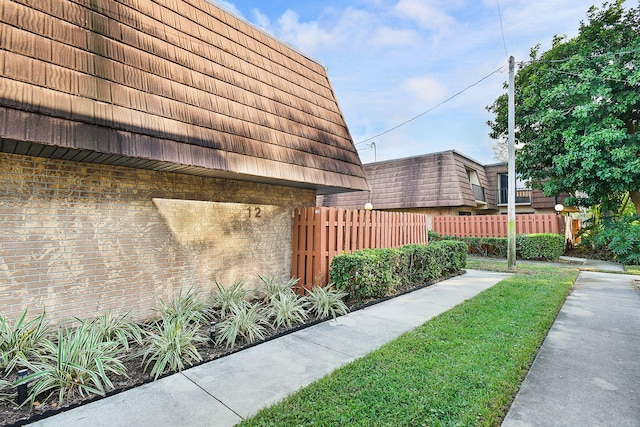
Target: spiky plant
{"points": [[224, 299], [246, 321], [119, 328], [77, 363], [286, 309], [7, 392], [327, 301], [274, 286], [185, 305], [22, 341], [171, 344]]}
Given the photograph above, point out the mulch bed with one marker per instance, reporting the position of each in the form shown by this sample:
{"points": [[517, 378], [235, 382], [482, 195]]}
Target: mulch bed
{"points": [[13, 415]]}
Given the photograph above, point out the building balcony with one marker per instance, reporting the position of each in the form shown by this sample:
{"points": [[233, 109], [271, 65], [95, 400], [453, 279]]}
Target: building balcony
{"points": [[523, 196]]}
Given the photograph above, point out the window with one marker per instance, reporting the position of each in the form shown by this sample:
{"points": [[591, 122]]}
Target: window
{"points": [[476, 188], [523, 190]]}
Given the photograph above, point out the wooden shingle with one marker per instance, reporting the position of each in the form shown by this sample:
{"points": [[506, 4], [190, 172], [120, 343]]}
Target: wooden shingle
{"points": [[428, 181], [178, 70]]}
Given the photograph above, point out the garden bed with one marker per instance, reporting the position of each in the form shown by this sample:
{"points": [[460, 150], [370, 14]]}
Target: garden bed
{"points": [[13, 415]]}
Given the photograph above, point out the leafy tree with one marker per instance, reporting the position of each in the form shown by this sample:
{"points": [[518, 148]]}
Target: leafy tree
{"points": [[577, 111]]}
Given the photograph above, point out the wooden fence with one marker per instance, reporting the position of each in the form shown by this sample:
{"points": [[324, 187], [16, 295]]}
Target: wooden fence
{"points": [[321, 233], [496, 225]]}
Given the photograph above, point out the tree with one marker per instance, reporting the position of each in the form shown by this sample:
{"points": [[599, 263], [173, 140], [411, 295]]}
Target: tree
{"points": [[577, 111]]}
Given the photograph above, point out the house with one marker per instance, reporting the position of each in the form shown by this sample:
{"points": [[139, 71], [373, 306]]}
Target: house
{"points": [[149, 146], [443, 183]]}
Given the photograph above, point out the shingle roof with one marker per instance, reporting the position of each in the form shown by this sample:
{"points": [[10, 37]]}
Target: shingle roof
{"points": [[176, 85], [426, 181]]}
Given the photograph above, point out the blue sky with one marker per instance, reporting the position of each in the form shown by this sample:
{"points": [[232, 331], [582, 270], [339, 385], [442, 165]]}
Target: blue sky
{"points": [[391, 60]]}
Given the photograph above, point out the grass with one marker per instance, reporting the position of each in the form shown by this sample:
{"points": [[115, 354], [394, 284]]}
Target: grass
{"points": [[632, 269], [462, 368], [501, 266]]}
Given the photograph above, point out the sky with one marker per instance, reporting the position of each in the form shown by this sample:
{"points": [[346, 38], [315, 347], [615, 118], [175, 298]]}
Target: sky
{"points": [[389, 61]]}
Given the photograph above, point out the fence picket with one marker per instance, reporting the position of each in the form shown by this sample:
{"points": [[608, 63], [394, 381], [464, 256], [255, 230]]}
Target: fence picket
{"points": [[495, 225], [321, 233]]}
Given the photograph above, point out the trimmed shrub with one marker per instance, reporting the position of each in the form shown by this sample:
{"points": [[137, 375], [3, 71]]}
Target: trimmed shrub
{"points": [[434, 236], [454, 255], [495, 246], [532, 246], [416, 264], [365, 274], [540, 246], [447, 237], [474, 245], [485, 246], [375, 273]]}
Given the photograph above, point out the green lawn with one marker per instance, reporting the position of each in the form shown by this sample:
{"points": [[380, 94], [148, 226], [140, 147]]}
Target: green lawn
{"points": [[461, 368], [632, 269]]}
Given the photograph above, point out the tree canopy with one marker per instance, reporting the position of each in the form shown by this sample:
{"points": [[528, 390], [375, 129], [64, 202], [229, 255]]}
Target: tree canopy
{"points": [[577, 111]]}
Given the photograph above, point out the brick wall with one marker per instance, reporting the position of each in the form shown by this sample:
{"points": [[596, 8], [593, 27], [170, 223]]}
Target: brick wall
{"points": [[80, 239]]}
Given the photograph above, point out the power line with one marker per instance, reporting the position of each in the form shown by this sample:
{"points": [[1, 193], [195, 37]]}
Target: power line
{"points": [[592, 56], [579, 75], [504, 41], [432, 108], [585, 77]]}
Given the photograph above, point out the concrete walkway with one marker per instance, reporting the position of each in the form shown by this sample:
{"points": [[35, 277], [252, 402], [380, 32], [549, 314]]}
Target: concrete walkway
{"points": [[227, 390], [595, 264], [587, 372]]}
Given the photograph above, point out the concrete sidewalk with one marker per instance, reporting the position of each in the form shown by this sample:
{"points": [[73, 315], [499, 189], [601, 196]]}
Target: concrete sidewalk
{"points": [[587, 372], [595, 264], [227, 390]]}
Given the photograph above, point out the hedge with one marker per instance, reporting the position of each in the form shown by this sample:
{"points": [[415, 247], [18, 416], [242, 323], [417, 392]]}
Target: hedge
{"points": [[528, 246], [540, 246], [419, 264], [365, 274], [455, 256], [375, 273]]}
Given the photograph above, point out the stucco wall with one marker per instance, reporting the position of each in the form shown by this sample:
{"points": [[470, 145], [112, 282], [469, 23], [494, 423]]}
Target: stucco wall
{"points": [[80, 239]]}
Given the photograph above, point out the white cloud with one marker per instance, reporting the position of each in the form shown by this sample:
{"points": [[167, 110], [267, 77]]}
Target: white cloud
{"points": [[307, 36], [427, 89], [344, 32], [261, 20], [426, 14], [229, 6], [389, 61], [385, 37]]}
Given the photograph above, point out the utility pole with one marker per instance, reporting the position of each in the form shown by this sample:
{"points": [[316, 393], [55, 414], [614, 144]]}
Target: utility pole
{"points": [[511, 188], [375, 153]]}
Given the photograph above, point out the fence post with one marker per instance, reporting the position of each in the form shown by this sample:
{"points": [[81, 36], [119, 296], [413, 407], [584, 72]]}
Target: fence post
{"points": [[321, 275]]}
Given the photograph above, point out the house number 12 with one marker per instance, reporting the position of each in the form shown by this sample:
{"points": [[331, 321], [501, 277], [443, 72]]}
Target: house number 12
{"points": [[254, 212]]}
